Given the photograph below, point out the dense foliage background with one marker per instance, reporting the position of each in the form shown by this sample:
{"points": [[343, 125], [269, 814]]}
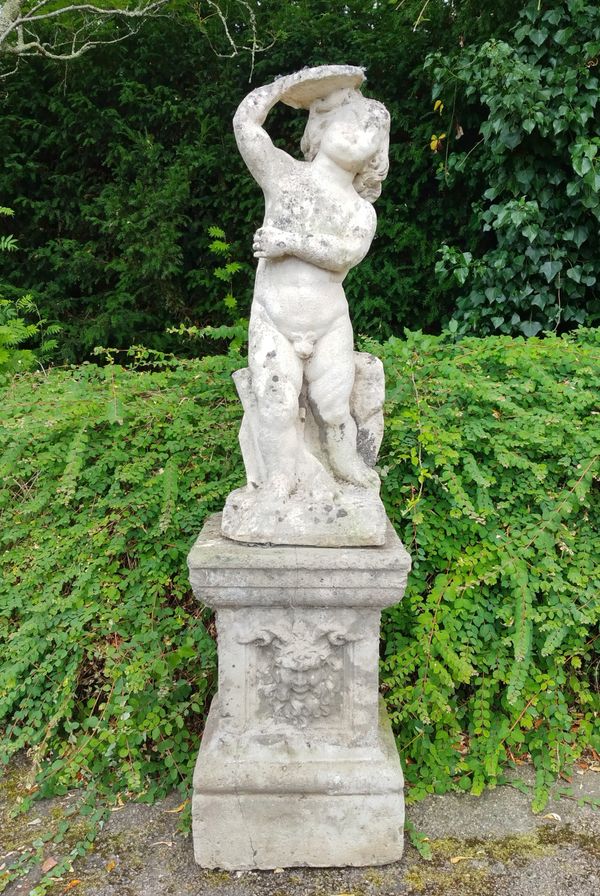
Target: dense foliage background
{"points": [[117, 164], [538, 161]]}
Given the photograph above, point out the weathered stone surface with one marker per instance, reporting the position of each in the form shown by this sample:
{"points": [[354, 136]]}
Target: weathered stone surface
{"points": [[313, 408], [352, 517], [141, 851], [297, 765], [285, 804], [319, 510], [226, 573]]}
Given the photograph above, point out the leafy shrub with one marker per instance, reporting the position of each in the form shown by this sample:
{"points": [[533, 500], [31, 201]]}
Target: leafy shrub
{"points": [[535, 265], [489, 461], [106, 660], [492, 452]]}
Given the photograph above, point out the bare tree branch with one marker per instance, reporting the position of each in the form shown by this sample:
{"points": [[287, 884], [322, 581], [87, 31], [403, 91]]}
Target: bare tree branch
{"points": [[81, 24], [20, 37], [237, 48]]}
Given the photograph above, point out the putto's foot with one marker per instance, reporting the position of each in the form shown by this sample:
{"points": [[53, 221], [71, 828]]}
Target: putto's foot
{"points": [[278, 488], [356, 473]]}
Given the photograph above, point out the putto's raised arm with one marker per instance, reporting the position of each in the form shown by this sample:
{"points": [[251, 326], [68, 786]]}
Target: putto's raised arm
{"points": [[264, 160]]}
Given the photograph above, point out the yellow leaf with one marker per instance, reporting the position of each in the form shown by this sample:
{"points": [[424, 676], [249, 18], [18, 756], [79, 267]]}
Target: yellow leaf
{"points": [[72, 883], [456, 859], [178, 809], [110, 865]]}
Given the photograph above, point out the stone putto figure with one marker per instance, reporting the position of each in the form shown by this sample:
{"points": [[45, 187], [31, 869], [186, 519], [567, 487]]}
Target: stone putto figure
{"points": [[313, 407]]}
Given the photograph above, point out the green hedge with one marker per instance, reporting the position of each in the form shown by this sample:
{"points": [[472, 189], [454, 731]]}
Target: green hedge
{"points": [[491, 447]]}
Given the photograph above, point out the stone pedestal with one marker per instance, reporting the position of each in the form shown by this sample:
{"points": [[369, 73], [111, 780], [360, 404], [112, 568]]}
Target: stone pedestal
{"points": [[298, 765]]}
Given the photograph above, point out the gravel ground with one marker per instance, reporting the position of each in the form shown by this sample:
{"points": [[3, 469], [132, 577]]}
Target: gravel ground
{"points": [[491, 845]]}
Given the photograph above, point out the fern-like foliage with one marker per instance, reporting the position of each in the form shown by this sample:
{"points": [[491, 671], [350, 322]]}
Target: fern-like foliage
{"points": [[74, 464], [8, 244]]}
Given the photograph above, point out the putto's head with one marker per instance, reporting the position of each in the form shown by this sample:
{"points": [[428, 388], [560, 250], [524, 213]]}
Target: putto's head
{"points": [[355, 132]]}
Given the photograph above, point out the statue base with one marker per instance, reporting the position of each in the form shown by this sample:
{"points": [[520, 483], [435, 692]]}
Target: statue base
{"points": [[280, 804], [298, 764], [354, 518], [322, 510]]}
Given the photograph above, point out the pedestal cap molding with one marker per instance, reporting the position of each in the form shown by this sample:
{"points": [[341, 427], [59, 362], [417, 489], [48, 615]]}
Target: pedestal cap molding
{"points": [[229, 573]]}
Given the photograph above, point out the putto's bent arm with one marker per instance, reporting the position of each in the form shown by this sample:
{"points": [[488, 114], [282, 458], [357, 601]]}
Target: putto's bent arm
{"points": [[264, 160], [330, 253], [322, 250]]}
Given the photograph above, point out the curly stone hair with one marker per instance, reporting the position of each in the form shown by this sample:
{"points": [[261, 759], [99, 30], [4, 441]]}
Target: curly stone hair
{"points": [[367, 182]]}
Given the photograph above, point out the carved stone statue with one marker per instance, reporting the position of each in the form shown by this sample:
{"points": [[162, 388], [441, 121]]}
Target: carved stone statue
{"points": [[298, 763], [313, 407]]}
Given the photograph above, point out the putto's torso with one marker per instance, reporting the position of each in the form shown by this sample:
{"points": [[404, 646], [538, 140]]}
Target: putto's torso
{"points": [[297, 295], [303, 203]]}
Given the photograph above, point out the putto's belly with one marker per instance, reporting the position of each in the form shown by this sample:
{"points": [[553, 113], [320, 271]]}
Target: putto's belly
{"points": [[300, 298]]}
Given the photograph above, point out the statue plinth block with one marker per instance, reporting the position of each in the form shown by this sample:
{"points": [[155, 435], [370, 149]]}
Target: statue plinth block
{"points": [[298, 764]]}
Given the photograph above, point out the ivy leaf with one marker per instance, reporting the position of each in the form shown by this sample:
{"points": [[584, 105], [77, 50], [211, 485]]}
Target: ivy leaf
{"points": [[538, 36], [531, 327], [550, 269], [530, 232]]}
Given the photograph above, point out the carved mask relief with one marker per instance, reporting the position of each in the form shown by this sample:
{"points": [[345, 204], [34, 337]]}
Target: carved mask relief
{"points": [[300, 671]]}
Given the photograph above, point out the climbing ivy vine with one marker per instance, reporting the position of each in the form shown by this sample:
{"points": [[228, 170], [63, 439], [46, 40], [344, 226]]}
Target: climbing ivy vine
{"points": [[535, 265]]}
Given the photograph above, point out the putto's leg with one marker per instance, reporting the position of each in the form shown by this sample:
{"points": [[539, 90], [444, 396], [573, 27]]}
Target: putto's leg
{"points": [[276, 382], [330, 377]]}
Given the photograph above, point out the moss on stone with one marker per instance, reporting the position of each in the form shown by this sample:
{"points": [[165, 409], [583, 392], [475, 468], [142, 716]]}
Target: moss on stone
{"points": [[217, 878], [466, 881], [513, 848], [566, 836], [441, 876], [375, 877]]}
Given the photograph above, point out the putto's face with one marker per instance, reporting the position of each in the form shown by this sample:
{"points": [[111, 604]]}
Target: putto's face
{"points": [[353, 135]]}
